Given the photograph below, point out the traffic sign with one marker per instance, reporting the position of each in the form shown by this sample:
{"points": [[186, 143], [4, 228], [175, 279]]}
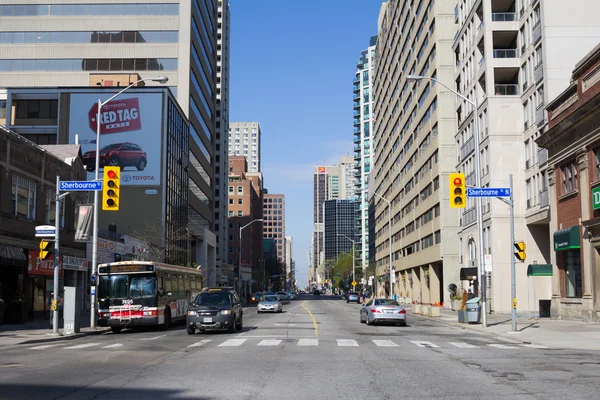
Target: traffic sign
{"points": [[488, 192], [45, 231], [80, 186], [353, 283]]}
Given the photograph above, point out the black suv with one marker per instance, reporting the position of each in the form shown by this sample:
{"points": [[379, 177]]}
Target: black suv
{"points": [[215, 308]]}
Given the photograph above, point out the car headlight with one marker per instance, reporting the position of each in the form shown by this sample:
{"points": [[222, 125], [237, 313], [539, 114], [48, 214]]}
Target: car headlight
{"points": [[192, 313], [225, 312]]}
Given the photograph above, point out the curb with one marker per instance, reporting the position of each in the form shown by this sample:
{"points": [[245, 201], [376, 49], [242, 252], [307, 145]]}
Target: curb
{"points": [[65, 337]]}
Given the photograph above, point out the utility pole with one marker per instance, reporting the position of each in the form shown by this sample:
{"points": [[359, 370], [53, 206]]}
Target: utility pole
{"points": [[56, 257]]}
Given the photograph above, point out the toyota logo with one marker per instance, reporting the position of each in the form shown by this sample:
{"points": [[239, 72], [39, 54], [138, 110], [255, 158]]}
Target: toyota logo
{"points": [[126, 178]]}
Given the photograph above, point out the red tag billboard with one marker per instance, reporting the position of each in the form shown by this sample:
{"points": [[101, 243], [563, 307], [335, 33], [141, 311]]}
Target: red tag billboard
{"points": [[117, 116]]}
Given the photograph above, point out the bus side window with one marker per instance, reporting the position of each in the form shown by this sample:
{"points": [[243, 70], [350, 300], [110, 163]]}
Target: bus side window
{"points": [[168, 283], [180, 283], [186, 283]]}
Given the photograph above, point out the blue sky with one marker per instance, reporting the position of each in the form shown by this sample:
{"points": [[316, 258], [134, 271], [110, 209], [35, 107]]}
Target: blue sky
{"points": [[291, 69]]}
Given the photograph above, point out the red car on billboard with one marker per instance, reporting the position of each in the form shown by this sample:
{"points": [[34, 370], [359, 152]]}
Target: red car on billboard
{"points": [[117, 155]]}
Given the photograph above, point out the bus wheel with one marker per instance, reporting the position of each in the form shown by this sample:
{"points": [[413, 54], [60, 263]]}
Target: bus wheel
{"points": [[167, 323], [115, 329]]}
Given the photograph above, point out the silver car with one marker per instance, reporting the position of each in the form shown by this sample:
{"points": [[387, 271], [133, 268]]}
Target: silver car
{"points": [[270, 304], [383, 311]]}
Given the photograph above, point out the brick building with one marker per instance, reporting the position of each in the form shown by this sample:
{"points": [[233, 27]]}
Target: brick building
{"points": [[573, 143], [27, 189], [245, 199]]}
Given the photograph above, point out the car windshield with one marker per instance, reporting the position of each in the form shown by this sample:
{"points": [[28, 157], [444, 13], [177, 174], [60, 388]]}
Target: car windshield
{"points": [[257, 294], [270, 298], [212, 299], [111, 146], [386, 302]]}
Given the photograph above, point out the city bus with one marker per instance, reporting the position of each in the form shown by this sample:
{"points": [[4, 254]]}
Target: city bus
{"points": [[143, 293]]}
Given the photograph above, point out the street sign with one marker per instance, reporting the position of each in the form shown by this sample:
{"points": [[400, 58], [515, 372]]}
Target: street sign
{"points": [[488, 192], [81, 186], [45, 231], [353, 283]]}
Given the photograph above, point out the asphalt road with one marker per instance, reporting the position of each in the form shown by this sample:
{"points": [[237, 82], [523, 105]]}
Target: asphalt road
{"points": [[316, 349]]}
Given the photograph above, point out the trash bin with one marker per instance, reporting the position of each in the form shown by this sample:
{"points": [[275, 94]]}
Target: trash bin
{"points": [[473, 310], [545, 308]]}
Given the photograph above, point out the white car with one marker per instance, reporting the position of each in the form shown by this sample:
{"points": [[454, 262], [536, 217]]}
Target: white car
{"points": [[269, 304]]}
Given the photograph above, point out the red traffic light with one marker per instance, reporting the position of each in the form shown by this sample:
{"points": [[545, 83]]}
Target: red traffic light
{"points": [[112, 174], [457, 181]]}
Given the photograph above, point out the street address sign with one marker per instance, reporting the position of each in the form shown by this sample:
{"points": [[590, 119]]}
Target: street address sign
{"points": [[81, 186], [488, 192], [45, 231]]}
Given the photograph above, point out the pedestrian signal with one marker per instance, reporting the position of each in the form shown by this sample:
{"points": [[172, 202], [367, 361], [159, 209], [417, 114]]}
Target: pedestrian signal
{"points": [[45, 250], [520, 253]]}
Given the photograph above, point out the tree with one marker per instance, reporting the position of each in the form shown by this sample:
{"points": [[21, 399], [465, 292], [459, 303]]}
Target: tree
{"points": [[177, 245], [343, 265]]}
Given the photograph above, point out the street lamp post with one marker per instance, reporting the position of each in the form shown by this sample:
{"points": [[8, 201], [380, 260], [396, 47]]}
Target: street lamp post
{"points": [[480, 269], [160, 79], [353, 261], [239, 274], [389, 238], [265, 271]]}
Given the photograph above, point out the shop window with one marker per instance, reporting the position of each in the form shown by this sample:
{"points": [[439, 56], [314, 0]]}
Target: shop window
{"points": [[572, 273]]}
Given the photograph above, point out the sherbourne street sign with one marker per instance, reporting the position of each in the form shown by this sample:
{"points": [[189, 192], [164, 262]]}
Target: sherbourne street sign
{"points": [[80, 186], [488, 192]]}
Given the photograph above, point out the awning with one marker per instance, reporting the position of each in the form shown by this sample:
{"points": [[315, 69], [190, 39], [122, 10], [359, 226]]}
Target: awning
{"points": [[539, 270], [10, 255], [567, 239], [467, 274]]}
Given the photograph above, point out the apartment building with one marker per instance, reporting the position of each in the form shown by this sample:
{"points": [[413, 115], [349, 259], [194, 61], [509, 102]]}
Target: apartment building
{"points": [[414, 151], [221, 153], [274, 216], [512, 57], [245, 140], [363, 150]]}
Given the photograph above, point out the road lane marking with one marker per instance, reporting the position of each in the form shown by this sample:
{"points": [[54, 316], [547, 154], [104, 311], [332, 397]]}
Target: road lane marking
{"points": [[269, 342], [83, 346], [308, 342], [463, 345], [502, 346], [422, 343], [200, 343], [45, 346], [313, 320], [154, 338], [113, 346], [347, 343], [385, 343], [535, 346], [232, 343]]}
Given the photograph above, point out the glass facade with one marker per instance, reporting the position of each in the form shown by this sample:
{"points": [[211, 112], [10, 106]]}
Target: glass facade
{"points": [[339, 220]]}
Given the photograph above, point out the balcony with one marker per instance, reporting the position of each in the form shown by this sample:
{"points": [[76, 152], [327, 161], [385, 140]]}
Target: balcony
{"points": [[504, 17], [356, 113], [538, 72], [467, 148], [356, 80], [544, 200], [542, 156], [506, 90], [537, 32], [357, 121], [356, 88], [357, 148], [356, 105], [356, 97], [470, 179], [506, 53], [357, 138], [539, 114], [469, 216], [357, 156]]}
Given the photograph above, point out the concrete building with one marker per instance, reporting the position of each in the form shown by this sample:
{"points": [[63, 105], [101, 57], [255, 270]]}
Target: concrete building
{"points": [[245, 140], [245, 205], [573, 168], [513, 57], [363, 149], [221, 138], [274, 224], [290, 272], [414, 151]]}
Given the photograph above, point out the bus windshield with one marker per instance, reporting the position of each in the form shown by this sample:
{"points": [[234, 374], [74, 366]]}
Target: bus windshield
{"points": [[123, 286], [142, 286]]}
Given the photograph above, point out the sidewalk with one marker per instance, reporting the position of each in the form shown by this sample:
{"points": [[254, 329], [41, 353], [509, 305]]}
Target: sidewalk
{"points": [[555, 334]]}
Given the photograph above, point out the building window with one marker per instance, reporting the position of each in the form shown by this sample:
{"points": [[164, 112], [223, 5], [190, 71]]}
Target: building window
{"points": [[231, 213], [240, 213], [573, 273], [240, 189], [569, 178], [240, 201], [51, 208], [230, 201], [231, 237], [23, 197], [230, 189]]}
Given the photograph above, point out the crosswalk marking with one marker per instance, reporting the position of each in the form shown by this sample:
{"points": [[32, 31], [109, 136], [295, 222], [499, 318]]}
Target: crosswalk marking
{"points": [[535, 346], [113, 346], [200, 343], [45, 346], [421, 343], [154, 338], [385, 343], [463, 345], [83, 346], [502, 346], [347, 343], [269, 342], [308, 342], [232, 343]]}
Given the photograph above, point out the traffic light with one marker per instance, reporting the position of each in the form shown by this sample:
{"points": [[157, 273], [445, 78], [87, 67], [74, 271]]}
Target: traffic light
{"points": [[45, 250], [458, 193], [520, 253], [111, 188]]}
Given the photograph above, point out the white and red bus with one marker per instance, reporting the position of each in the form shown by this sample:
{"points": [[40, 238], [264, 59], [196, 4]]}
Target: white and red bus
{"points": [[142, 293]]}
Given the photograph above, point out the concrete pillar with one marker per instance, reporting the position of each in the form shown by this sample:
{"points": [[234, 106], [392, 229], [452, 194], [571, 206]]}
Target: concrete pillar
{"points": [[556, 296], [434, 283], [587, 304], [416, 285], [425, 296]]}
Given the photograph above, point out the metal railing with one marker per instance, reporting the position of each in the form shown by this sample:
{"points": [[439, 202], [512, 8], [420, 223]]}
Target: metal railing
{"points": [[544, 200], [506, 89], [505, 53], [504, 17]]}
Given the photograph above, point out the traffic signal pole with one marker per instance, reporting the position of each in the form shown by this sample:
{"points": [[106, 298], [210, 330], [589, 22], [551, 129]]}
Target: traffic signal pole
{"points": [[56, 258]]}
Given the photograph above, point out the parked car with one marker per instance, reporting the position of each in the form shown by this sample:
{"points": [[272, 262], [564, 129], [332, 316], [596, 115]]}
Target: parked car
{"points": [[256, 297], [353, 296], [117, 155], [269, 304], [215, 308], [383, 311]]}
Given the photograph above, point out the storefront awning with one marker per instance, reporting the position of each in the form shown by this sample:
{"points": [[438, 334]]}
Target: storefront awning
{"points": [[567, 239], [539, 270], [467, 274], [10, 255]]}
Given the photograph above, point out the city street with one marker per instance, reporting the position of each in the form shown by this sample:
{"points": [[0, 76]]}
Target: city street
{"points": [[315, 349]]}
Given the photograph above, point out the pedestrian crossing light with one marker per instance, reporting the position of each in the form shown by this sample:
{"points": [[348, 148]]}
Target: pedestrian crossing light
{"points": [[458, 195], [111, 188], [520, 252], [44, 250]]}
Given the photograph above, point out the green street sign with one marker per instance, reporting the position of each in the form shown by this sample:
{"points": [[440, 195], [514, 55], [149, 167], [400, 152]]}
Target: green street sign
{"points": [[596, 198]]}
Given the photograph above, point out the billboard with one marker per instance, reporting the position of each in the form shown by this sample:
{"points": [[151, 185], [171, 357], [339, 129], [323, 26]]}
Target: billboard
{"points": [[321, 170], [130, 134]]}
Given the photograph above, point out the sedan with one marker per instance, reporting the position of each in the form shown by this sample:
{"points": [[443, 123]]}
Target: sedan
{"points": [[269, 304], [352, 296], [256, 297], [383, 311]]}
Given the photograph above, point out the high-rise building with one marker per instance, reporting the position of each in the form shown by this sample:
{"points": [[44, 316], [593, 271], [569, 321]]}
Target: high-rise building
{"points": [[414, 150], [274, 216], [363, 150], [289, 262], [222, 135], [339, 227], [512, 58], [244, 140]]}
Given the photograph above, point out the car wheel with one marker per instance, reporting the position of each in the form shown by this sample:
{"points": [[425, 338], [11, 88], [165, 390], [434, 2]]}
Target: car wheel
{"points": [[241, 324], [402, 323], [233, 326], [369, 321], [116, 329], [191, 330], [141, 165], [114, 162]]}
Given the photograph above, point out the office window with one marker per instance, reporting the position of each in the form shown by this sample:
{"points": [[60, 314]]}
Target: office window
{"points": [[240, 213], [230, 189], [569, 178], [240, 189], [23, 197], [230, 201], [231, 213], [240, 201]]}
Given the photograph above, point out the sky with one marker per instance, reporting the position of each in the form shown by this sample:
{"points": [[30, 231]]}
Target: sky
{"points": [[292, 63]]}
